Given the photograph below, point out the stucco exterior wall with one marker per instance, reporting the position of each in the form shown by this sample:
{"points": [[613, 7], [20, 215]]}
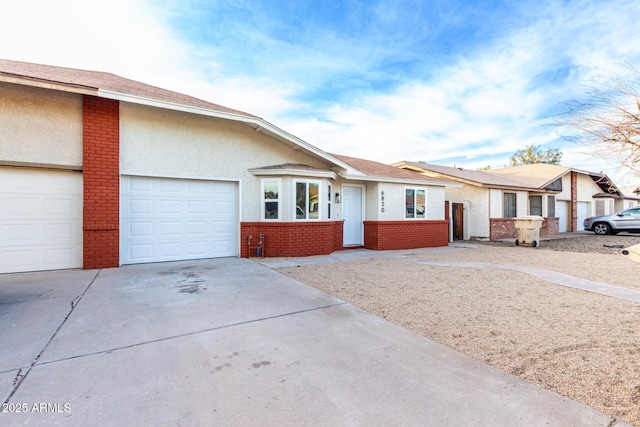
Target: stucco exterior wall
{"points": [[394, 201], [587, 187], [40, 127], [476, 203], [157, 142], [435, 203], [495, 203]]}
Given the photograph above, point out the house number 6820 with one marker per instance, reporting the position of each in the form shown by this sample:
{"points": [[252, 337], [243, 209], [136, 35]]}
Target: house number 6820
{"points": [[382, 201]]}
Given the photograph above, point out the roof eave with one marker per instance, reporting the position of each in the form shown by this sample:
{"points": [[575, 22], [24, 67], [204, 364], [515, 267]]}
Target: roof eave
{"points": [[293, 172], [394, 180]]}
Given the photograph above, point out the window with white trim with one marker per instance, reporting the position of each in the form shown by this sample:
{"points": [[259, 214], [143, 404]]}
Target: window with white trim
{"points": [[329, 201], [509, 205], [415, 203], [271, 199], [535, 205], [551, 206], [307, 197]]}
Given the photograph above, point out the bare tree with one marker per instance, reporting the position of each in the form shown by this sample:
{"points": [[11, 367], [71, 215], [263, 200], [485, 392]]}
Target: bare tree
{"points": [[607, 120]]}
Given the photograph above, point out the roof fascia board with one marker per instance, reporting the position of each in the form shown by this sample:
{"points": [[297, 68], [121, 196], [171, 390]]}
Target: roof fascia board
{"points": [[293, 172], [370, 178], [61, 87]]}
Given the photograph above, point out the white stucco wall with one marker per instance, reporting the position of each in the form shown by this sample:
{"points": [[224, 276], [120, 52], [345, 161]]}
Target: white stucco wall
{"points": [[40, 127], [495, 203], [476, 201], [394, 201], [157, 142]]}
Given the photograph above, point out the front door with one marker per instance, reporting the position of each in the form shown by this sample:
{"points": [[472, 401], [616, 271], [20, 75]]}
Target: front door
{"points": [[352, 215], [458, 221]]}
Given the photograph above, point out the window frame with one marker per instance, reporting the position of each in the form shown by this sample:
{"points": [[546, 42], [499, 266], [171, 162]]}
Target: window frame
{"points": [[551, 206], [307, 183], [536, 197], [264, 200], [415, 203], [506, 205]]}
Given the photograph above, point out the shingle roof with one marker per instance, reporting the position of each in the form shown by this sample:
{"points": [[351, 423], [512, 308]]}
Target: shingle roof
{"points": [[377, 169], [470, 176], [537, 175], [97, 80]]}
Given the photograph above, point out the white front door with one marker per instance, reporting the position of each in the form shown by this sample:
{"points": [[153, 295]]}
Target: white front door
{"points": [[40, 219], [165, 219], [352, 215]]}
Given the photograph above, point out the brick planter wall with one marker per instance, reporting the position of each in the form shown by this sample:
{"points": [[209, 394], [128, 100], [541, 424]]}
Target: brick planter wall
{"points": [[292, 239], [502, 228], [395, 235], [101, 176], [550, 226]]}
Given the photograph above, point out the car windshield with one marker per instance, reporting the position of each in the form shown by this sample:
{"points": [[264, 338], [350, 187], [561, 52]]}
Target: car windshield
{"points": [[631, 212]]}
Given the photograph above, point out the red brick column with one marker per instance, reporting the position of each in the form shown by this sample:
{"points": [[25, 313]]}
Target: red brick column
{"points": [[574, 201], [101, 176], [395, 235]]}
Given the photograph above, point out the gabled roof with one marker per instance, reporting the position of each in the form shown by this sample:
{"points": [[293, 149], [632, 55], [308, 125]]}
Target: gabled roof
{"points": [[111, 86], [477, 178], [538, 175], [382, 172], [541, 175], [96, 82]]}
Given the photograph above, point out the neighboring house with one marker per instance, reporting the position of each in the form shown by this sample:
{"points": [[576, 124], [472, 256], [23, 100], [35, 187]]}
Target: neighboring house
{"points": [[483, 207], [489, 200], [630, 198], [582, 194], [98, 171]]}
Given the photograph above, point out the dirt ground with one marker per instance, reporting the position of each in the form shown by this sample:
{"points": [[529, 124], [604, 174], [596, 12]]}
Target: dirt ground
{"points": [[578, 344]]}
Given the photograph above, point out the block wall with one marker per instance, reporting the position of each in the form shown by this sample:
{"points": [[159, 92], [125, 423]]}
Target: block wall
{"points": [[291, 239], [101, 176], [396, 235]]}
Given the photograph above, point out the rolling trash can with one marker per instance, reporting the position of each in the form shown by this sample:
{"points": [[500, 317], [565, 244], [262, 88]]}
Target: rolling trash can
{"points": [[528, 230], [632, 252]]}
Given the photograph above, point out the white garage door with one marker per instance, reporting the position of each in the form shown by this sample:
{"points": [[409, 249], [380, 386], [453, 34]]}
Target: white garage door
{"points": [[583, 213], [40, 220], [164, 219], [562, 213]]}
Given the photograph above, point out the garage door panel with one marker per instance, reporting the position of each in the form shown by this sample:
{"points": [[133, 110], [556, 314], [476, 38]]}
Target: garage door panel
{"points": [[180, 219], [40, 219]]}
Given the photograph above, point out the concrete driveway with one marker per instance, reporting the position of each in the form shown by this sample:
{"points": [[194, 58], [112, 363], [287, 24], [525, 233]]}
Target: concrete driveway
{"points": [[230, 342]]}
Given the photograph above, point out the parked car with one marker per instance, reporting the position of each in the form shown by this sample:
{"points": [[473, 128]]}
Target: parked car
{"points": [[627, 220]]}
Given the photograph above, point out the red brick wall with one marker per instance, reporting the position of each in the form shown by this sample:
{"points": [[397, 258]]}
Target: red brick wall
{"points": [[395, 235], [501, 228], [504, 228], [550, 226], [101, 175], [289, 239]]}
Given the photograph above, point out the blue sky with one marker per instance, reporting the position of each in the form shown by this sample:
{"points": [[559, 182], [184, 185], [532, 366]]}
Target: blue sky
{"points": [[448, 82]]}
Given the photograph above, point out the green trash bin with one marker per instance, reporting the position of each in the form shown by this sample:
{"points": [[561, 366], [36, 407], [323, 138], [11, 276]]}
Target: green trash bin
{"points": [[528, 230]]}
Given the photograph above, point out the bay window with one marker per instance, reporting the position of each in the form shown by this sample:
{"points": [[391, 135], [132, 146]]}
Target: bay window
{"points": [[307, 197]]}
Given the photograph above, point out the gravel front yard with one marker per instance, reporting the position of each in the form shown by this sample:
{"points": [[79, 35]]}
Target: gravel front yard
{"points": [[575, 343]]}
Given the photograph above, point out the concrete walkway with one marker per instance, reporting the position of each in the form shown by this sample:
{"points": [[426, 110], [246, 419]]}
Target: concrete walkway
{"points": [[230, 342]]}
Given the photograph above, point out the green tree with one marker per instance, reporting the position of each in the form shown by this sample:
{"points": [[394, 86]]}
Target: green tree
{"points": [[534, 154]]}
